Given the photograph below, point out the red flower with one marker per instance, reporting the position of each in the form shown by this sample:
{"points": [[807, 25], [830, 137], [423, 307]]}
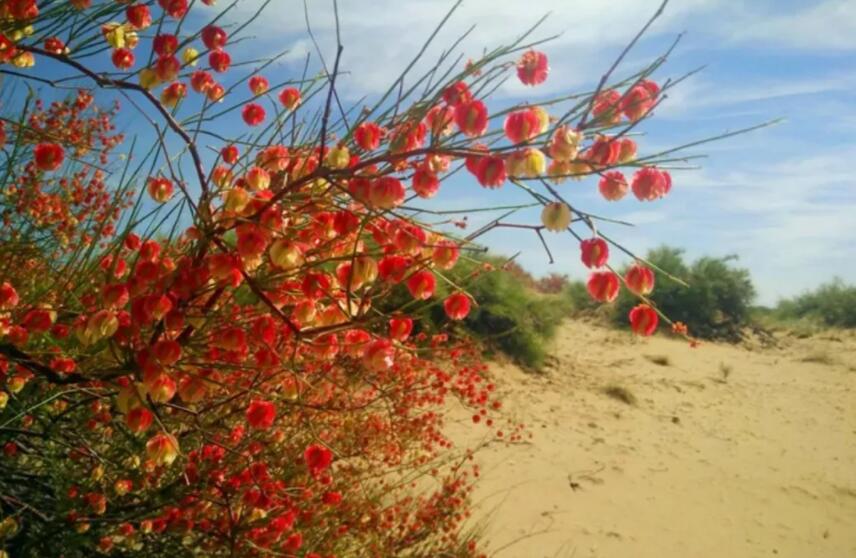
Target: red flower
{"points": [[166, 351], [400, 328], [214, 38], [640, 99], [253, 114], [457, 306], [392, 268], [643, 320], [650, 184], [522, 125], [48, 156], [606, 107], [259, 85], [8, 296], [445, 254], [37, 320], [230, 154], [626, 150], [639, 279], [174, 8], [261, 414], [162, 448], [422, 284], [290, 97], [318, 458], [440, 119], [613, 186], [201, 81], [160, 189], [167, 68], [604, 151], [471, 118], [139, 16], [603, 286], [165, 44], [386, 192], [54, 45], [457, 93], [425, 183], [22, 9], [379, 355], [491, 172], [594, 252], [173, 93], [532, 68], [139, 419], [332, 498], [368, 136], [123, 58], [219, 60]]}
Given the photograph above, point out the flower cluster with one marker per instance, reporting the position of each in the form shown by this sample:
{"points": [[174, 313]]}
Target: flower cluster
{"points": [[232, 364]]}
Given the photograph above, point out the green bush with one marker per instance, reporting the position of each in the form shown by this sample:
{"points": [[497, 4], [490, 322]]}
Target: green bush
{"points": [[514, 318], [832, 304], [510, 316], [715, 305]]}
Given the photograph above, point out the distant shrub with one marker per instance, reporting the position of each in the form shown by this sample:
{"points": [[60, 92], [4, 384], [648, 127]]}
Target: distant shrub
{"points": [[510, 315], [833, 304], [716, 303], [553, 283], [578, 297]]}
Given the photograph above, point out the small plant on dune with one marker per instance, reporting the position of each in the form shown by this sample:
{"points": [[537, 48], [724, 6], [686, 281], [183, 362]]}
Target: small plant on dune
{"points": [[620, 393], [199, 349], [818, 356], [659, 360]]}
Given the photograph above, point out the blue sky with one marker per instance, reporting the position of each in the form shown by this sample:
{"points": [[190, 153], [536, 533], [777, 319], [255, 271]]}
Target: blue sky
{"points": [[782, 198]]}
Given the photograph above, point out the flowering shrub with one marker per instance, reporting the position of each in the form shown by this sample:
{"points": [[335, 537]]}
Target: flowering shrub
{"points": [[196, 355]]}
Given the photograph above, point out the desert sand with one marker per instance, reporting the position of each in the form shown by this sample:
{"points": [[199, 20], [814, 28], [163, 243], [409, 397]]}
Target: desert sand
{"points": [[759, 463]]}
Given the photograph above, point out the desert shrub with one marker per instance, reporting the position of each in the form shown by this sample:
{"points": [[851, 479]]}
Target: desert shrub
{"points": [[513, 317], [714, 305], [205, 333], [552, 283], [508, 315], [578, 297], [833, 304]]}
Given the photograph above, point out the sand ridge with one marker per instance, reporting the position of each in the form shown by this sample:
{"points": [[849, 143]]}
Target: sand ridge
{"points": [[728, 450]]}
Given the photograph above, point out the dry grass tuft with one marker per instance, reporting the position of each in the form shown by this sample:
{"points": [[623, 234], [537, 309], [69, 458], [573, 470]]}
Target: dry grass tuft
{"points": [[819, 357], [620, 393], [660, 360]]}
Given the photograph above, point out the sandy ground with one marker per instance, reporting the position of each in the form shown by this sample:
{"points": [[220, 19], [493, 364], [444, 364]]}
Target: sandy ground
{"points": [[762, 463]]}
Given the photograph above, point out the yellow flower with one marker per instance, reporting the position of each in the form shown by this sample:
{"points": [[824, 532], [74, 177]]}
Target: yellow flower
{"points": [[190, 56]]}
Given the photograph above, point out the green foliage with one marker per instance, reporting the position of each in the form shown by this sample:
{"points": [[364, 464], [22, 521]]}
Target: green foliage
{"points": [[716, 303], [832, 304], [514, 318], [577, 295], [509, 315]]}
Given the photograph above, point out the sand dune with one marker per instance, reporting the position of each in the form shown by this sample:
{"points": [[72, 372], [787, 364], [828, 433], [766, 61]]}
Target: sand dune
{"points": [[761, 463]]}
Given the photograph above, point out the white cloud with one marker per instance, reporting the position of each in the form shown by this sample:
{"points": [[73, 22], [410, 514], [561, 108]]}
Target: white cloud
{"points": [[829, 24], [699, 95], [380, 37]]}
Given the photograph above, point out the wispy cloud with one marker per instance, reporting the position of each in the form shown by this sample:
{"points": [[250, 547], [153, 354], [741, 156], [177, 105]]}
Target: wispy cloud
{"points": [[782, 198], [812, 25]]}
